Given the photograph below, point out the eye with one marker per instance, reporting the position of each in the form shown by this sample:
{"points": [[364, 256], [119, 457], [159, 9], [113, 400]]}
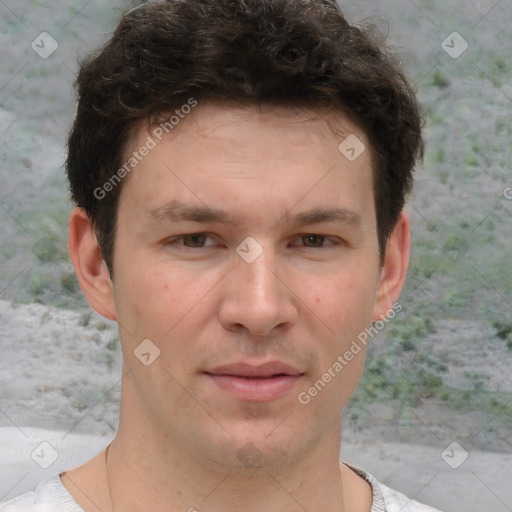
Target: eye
{"points": [[192, 240], [316, 241], [198, 241]]}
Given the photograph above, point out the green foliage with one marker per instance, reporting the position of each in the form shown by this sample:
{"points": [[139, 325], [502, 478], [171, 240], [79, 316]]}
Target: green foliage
{"points": [[112, 344], [408, 388], [383, 383], [101, 326], [434, 117], [51, 244], [490, 403], [500, 71], [504, 331], [69, 283], [39, 282], [455, 299], [476, 381], [407, 333], [439, 79], [85, 319]]}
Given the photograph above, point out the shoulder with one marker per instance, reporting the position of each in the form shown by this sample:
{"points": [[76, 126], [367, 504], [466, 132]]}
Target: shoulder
{"points": [[398, 502], [24, 503], [386, 499], [49, 496]]}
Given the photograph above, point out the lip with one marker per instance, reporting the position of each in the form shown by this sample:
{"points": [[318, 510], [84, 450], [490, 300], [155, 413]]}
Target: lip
{"points": [[270, 369], [250, 383]]}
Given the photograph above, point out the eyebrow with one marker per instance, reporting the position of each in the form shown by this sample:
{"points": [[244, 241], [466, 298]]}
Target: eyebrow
{"points": [[177, 211]]}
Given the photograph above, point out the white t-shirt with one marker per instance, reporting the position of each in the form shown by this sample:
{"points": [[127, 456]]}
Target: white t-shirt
{"points": [[51, 496]]}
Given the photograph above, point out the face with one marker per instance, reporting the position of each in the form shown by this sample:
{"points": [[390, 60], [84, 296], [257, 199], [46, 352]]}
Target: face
{"points": [[247, 252]]}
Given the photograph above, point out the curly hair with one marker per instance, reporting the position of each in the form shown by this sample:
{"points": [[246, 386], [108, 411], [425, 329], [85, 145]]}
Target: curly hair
{"points": [[285, 52]]}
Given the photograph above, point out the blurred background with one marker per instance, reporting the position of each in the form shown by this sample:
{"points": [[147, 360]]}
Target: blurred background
{"points": [[433, 413]]}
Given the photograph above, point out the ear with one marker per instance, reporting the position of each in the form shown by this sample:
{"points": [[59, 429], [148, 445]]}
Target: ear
{"points": [[90, 268], [394, 268]]}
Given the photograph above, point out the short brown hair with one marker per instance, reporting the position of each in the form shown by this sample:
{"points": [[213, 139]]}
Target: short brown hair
{"points": [[286, 52]]}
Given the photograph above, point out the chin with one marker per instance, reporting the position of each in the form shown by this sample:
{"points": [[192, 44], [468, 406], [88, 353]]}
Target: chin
{"points": [[267, 447]]}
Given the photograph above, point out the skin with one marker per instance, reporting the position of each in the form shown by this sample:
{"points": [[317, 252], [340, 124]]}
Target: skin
{"points": [[302, 301]]}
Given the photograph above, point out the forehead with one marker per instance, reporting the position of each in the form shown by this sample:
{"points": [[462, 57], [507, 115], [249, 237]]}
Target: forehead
{"points": [[221, 121], [245, 148]]}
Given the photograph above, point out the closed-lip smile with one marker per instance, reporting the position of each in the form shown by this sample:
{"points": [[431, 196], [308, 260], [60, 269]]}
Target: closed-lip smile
{"points": [[255, 383]]}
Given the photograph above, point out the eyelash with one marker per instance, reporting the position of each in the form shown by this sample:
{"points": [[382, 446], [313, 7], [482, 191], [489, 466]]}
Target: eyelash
{"points": [[323, 237]]}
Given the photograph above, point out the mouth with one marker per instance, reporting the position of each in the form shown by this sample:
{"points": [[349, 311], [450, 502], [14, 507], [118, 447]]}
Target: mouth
{"points": [[251, 383]]}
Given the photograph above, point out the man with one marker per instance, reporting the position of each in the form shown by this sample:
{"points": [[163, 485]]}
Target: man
{"points": [[240, 170]]}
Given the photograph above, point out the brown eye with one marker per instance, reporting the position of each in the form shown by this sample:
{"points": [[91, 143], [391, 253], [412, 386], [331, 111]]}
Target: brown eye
{"points": [[196, 240], [191, 241], [315, 240]]}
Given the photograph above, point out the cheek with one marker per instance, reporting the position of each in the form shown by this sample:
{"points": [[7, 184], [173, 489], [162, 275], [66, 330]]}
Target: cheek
{"points": [[329, 391], [348, 378], [162, 301], [345, 303], [145, 301]]}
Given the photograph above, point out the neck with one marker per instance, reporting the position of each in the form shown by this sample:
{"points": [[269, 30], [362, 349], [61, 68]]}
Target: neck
{"points": [[161, 463], [155, 474]]}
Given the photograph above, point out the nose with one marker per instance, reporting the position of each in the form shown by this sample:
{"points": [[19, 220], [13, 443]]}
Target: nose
{"points": [[258, 296]]}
